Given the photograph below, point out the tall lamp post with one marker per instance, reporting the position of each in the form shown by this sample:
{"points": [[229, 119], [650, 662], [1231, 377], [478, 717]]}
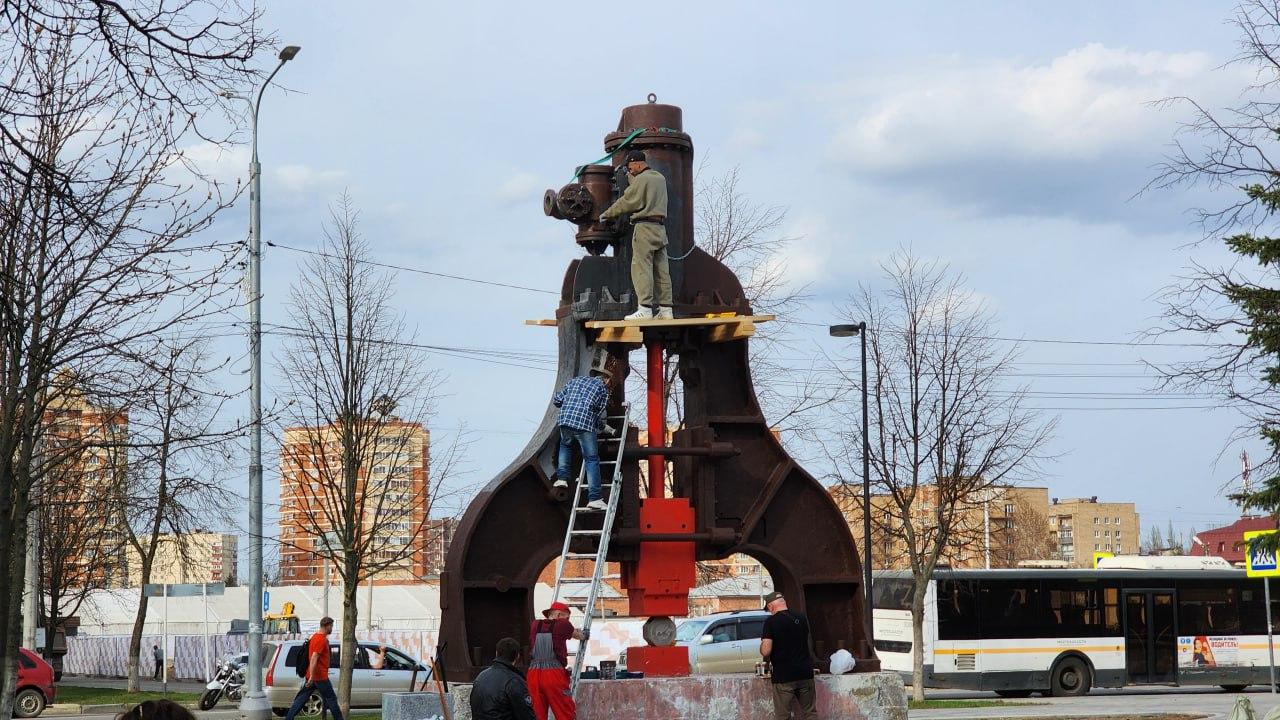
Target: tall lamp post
{"points": [[869, 608], [254, 706]]}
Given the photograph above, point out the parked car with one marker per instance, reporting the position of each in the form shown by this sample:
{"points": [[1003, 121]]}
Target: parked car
{"points": [[35, 685], [726, 642], [400, 672]]}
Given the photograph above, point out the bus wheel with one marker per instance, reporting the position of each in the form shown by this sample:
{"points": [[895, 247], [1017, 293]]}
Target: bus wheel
{"points": [[1233, 688], [1014, 693], [1070, 677]]}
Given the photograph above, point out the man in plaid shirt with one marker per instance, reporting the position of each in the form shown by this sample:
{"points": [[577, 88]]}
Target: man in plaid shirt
{"points": [[582, 402]]}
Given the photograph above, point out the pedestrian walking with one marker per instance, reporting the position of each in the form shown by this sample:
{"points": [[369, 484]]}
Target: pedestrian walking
{"points": [[646, 199], [582, 402], [157, 655], [549, 666], [785, 644], [499, 691], [316, 679]]}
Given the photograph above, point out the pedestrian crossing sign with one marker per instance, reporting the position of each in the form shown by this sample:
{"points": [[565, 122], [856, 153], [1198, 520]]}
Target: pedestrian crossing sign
{"points": [[1259, 562]]}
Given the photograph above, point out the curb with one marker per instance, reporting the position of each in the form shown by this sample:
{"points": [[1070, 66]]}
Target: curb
{"points": [[64, 709]]}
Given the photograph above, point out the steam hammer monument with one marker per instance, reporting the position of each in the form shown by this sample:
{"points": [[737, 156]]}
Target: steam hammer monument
{"points": [[733, 488]]}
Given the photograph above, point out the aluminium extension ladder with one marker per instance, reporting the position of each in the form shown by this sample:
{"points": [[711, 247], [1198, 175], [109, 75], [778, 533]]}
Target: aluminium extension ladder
{"points": [[612, 485]]}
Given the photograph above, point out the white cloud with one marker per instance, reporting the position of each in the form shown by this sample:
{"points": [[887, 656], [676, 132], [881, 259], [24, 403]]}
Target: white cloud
{"points": [[230, 165], [1082, 105]]}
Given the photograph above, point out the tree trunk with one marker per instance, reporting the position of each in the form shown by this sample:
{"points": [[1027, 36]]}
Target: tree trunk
{"points": [[11, 620], [350, 615], [917, 639], [135, 638]]}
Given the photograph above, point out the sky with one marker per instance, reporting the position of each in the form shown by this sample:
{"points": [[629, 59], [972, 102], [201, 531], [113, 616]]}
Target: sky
{"points": [[1010, 141]]}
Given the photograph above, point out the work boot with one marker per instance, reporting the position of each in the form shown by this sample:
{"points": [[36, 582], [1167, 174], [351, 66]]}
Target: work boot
{"points": [[596, 506], [560, 483], [641, 313], [664, 313]]}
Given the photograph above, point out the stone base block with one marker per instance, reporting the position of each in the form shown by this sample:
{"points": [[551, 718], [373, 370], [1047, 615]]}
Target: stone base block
{"points": [[860, 696], [415, 705]]}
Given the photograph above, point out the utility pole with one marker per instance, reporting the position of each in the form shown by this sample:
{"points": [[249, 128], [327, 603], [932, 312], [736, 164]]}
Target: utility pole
{"points": [[31, 593], [254, 706]]}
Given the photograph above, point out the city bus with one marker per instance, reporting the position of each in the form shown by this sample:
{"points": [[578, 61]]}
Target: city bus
{"points": [[1062, 632]]}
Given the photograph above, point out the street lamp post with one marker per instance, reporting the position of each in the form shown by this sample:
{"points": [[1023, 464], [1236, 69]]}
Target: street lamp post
{"points": [[254, 706], [868, 607]]}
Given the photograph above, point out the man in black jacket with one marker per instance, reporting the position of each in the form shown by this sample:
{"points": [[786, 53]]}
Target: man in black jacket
{"points": [[499, 692]]}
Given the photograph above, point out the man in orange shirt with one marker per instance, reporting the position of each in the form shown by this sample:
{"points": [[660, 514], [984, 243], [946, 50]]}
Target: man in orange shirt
{"points": [[316, 679]]}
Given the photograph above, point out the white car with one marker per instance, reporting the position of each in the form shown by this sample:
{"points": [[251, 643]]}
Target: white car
{"points": [[400, 672], [721, 643]]}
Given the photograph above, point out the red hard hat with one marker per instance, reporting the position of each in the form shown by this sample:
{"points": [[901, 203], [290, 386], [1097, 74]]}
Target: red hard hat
{"points": [[555, 606]]}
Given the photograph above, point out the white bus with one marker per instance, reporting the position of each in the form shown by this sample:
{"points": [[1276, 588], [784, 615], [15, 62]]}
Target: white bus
{"points": [[1064, 631]]}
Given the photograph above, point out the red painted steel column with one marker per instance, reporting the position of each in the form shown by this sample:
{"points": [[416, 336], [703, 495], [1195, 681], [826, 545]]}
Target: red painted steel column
{"points": [[657, 402]]}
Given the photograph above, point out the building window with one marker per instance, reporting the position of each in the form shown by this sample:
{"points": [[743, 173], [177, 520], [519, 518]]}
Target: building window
{"points": [[1097, 521], [1097, 533], [1119, 548], [1117, 534], [1096, 547], [1008, 509], [1117, 521]]}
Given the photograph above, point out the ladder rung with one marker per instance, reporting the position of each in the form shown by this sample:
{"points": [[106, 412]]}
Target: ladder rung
{"points": [[586, 532], [580, 556]]}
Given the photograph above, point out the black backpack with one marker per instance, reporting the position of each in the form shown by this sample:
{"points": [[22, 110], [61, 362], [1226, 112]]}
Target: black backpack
{"points": [[301, 661]]}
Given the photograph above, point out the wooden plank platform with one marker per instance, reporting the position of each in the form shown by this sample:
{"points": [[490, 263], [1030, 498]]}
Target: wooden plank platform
{"points": [[721, 329]]}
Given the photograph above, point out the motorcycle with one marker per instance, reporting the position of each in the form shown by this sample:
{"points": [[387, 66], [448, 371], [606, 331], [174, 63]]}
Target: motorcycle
{"points": [[228, 681]]}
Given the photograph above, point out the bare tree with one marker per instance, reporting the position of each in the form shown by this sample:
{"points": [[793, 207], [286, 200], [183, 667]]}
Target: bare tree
{"points": [[175, 453], [1022, 535], [1231, 308], [947, 430], [100, 213], [357, 469], [79, 545]]}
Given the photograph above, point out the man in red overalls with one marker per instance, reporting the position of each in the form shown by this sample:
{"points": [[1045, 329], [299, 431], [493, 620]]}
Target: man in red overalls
{"points": [[548, 674]]}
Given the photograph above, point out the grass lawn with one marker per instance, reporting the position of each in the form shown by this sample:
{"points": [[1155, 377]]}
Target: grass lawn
{"points": [[114, 696], [940, 704]]}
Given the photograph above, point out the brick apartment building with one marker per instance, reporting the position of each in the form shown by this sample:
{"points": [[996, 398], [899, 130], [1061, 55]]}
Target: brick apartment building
{"points": [[92, 439], [395, 481], [1002, 527], [196, 557], [1079, 527]]}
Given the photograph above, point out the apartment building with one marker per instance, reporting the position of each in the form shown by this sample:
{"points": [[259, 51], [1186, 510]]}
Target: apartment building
{"points": [[197, 557], [999, 527], [82, 529], [394, 483], [1079, 527]]}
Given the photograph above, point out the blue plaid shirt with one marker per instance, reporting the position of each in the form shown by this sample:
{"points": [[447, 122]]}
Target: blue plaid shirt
{"points": [[582, 402]]}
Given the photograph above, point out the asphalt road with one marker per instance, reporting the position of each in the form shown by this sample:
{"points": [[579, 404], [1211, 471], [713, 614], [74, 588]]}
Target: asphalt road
{"points": [[1211, 702]]}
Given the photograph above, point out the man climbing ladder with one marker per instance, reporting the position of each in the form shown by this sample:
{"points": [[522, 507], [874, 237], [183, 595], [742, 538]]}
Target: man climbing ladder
{"points": [[582, 402]]}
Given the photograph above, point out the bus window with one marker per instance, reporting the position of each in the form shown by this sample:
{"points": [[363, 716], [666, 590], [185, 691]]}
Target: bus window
{"points": [[957, 610], [1078, 610], [1011, 609], [1208, 610], [892, 593], [1253, 612]]}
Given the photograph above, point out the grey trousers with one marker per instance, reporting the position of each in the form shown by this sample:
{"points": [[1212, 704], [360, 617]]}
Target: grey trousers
{"points": [[800, 691], [650, 268]]}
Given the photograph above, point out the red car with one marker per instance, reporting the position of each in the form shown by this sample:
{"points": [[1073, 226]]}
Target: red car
{"points": [[35, 685]]}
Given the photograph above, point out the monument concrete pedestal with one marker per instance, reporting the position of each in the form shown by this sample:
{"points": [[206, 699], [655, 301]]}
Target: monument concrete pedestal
{"points": [[856, 696]]}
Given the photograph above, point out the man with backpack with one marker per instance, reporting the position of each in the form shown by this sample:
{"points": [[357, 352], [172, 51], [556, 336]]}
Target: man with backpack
{"points": [[313, 667]]}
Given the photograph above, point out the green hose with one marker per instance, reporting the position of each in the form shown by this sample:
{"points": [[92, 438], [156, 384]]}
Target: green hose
{"points": [[630, 137]]}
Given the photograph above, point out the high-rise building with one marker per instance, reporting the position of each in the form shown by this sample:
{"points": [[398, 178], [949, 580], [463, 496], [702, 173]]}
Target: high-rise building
{"points": [[85, 445], [393, 501], [1082, 526], [196, 557]]}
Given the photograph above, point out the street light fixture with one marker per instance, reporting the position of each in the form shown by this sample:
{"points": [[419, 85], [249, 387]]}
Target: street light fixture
{"points": [[254, 705], [860, 330]]}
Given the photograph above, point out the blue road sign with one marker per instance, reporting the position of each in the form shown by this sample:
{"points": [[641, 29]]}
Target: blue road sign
{"points": [[266, 600], [1259, 562]]}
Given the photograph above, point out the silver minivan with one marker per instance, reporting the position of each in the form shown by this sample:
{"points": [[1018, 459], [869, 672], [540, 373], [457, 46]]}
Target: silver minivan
{"points": [[722, 643], [400, 672]]}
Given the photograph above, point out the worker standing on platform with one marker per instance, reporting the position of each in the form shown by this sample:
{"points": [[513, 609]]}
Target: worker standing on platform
{"points": [[646, 199], [549, 666], [785, 644], [583, 402]]}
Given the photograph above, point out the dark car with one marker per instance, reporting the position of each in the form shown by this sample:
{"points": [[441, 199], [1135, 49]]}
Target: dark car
{"points": [[35, 685]]}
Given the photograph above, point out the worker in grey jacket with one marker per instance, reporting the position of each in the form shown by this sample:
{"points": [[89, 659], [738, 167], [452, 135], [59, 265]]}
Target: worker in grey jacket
{"points": [[646, 199]]}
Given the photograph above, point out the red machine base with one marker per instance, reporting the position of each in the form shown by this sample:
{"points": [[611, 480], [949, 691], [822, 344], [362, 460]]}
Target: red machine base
{"points": [[653, 661]]}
